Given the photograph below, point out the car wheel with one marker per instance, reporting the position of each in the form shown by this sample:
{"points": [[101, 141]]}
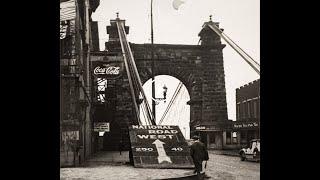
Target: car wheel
{"points": [[242, 156]]}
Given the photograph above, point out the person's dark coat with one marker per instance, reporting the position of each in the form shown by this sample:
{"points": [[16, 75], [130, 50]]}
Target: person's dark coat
{"points": [[198, 153]]}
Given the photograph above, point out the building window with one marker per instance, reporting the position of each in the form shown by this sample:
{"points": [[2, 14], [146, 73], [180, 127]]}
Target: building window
{"points": [[248, 109], [251, 109], [258, 108], [251, 135], [228, 139], [243, 139], [238, 111], [234, 137], [255, 109], [243, 110]]}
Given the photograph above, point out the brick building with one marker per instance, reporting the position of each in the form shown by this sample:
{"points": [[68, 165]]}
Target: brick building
{"points": [[248, 112], [237, 134], [76, 41]]}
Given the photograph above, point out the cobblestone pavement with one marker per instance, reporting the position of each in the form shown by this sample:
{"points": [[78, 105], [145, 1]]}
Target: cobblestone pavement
{"points": [[224, 167], [219, 167]]}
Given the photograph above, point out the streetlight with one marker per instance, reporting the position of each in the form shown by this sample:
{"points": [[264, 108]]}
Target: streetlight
{"points": [[156, 100]]}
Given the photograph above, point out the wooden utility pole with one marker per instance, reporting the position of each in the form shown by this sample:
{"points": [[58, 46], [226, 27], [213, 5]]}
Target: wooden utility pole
{"points": [[152, 68], [87, 124]]}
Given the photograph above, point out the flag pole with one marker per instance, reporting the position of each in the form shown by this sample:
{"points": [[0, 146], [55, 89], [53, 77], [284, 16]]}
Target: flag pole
{"points": [[152, 68]]}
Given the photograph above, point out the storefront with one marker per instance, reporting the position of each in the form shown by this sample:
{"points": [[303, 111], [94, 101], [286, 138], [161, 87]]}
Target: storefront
{"points": [[246, 131], [212, 135], [230, 135]]}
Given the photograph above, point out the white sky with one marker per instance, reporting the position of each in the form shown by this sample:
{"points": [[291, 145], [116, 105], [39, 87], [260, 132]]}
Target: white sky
{"points": [[240, 20], [179, 113]]}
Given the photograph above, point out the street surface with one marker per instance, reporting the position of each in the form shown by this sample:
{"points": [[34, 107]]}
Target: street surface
{"points": [[219, 167]]}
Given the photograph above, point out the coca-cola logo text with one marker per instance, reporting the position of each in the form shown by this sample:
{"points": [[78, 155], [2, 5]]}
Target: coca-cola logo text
{"points": [[110, 70]]}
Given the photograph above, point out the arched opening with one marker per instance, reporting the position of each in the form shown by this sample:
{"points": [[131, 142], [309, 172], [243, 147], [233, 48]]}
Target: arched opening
{"points": [[177, 97]]}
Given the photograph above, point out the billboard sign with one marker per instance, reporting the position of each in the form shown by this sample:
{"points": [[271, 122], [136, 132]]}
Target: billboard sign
{"points": [[159, 146]]}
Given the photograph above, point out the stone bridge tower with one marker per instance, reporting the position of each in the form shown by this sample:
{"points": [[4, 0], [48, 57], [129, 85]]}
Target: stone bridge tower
{"points": [[199, 67]]}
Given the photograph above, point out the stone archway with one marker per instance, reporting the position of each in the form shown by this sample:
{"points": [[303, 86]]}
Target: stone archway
{"points": [[199, 67], [179, 112]]}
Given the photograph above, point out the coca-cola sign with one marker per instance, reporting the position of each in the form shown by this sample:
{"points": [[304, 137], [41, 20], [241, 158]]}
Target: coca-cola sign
{"points": [[109, 70]]}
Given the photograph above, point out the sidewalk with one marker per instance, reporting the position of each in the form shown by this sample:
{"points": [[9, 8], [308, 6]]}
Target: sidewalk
{"points": [[108, 157], [225, 152], [120, 172]]}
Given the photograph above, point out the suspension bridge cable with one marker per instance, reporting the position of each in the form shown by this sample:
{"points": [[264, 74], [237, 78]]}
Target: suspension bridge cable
{"points": [[129, 71], [139, 81], [144, 115], [135, 81], [180, 110], [241, 49], [171, 101], [129, 77], [235, 47], [143, 106]]}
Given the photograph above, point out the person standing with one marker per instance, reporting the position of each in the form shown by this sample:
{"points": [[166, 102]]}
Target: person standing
{"points": [[199, 154]]}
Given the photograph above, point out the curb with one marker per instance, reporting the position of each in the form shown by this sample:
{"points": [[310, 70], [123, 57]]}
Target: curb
{"points": [[227, 153]]}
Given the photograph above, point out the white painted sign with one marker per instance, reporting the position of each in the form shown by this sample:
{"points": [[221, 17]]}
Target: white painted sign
{"points": [[107, 69], [159, 146], [101, 127], [162, 155]]}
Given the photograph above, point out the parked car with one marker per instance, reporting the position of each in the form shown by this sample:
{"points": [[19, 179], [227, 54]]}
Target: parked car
{"points": [[252, 152]]}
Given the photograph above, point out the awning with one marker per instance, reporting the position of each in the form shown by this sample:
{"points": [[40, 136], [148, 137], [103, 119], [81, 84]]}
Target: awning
{"points": [[68, 10]]}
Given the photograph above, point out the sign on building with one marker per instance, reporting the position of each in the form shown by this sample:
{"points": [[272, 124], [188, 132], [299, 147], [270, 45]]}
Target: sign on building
{"points": [[159, 146], [107, 70], [101, 127], [208, 128], [246, 125]]}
